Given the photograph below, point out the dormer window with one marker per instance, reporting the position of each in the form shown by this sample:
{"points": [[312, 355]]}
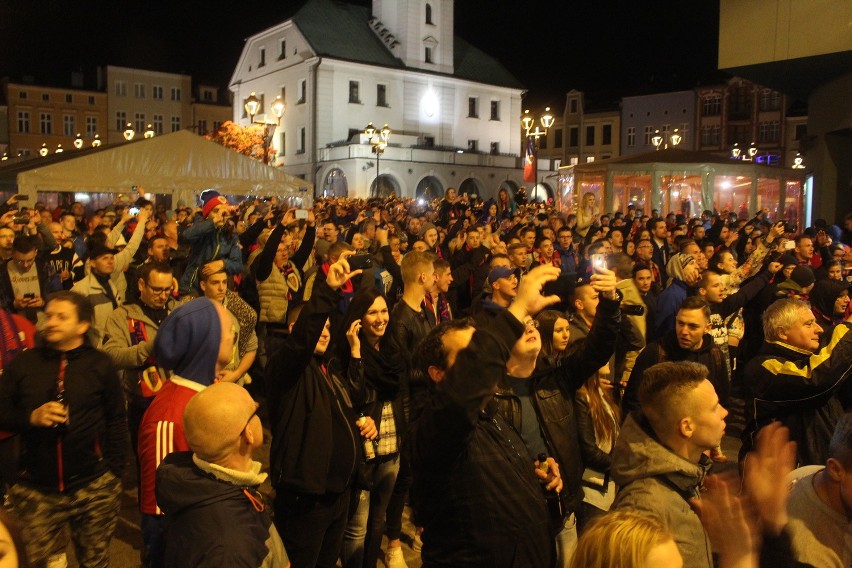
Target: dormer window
{"points": [[429, 14]]}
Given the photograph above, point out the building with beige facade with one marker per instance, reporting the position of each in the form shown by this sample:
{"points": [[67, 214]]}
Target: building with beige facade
{"points": [[140, 97], [40, 116], [211, 107]]}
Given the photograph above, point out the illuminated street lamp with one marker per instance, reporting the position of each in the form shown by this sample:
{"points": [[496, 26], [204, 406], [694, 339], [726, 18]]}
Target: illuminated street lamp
{"points": [[798, 162], [252, 107], [43, 151], [659, 140], [78, 141], [149, 132], [59, 149], [752, 151], [379, 141], [735, 151], [546, 120], [675, 138], [97, 141], [129, 133]]}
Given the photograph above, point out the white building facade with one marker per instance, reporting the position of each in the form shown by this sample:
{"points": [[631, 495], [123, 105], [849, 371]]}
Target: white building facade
{"points": [[454, 112]]}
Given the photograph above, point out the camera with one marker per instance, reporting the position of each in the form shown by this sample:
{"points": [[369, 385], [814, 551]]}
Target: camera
{"points": [[360, 260]]}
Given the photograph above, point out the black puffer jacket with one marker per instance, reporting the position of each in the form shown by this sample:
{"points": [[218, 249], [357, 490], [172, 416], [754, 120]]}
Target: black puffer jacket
{"points": [[211, 522], [554, 386], [799, 388]]}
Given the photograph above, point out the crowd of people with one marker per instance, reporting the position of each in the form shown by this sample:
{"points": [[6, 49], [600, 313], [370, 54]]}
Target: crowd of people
{"points": [[543, 389]]}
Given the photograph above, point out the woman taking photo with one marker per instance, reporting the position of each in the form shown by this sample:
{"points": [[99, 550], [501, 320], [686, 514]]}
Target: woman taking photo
{"points": [[377, 476]]}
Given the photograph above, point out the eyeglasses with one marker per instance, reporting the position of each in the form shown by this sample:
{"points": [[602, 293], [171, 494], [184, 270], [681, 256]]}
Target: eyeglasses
{"points": [[531, 324], [159, 291]]}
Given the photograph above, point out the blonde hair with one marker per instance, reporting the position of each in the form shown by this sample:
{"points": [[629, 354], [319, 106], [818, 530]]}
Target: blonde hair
{"points": [[622, 539]]}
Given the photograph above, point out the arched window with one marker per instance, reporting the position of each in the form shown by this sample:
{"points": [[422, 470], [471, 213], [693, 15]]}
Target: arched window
{"points": [[428, 13]]}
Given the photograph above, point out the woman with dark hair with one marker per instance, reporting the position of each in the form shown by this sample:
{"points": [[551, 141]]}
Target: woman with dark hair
{"points": [[13, 554], [553, 326], [383, 403]]}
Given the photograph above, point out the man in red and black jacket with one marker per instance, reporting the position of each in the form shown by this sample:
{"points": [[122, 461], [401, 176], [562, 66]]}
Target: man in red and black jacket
{"points": [[66, 401]]}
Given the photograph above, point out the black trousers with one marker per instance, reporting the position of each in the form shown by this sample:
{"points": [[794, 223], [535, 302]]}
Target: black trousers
{"points": [[311, 526]]}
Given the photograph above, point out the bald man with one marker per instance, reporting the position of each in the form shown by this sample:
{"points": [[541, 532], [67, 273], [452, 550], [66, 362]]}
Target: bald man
{"points": [[210, 495], [195, 342]]}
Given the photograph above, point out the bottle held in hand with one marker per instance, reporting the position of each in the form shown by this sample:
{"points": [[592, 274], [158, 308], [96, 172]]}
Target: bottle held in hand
{"points": [[369, 445]]}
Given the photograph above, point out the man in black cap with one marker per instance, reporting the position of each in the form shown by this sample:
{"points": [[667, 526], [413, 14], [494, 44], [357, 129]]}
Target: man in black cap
{"points": [[97, 287]]}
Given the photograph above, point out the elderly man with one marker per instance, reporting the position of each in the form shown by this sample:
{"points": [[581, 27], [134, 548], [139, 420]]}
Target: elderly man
{"points": [[214, 512], [794, 381]]}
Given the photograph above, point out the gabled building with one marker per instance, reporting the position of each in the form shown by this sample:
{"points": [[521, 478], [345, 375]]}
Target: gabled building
{"points": [[454, 112]]}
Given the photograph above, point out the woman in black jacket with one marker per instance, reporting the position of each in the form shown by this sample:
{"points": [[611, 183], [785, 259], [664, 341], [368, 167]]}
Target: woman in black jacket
{"points": [[383, 403]]}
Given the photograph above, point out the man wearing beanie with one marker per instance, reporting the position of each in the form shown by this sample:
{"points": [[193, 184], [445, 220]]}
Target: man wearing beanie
{"points": [[210, 239], [98, 288], [195, 342]]}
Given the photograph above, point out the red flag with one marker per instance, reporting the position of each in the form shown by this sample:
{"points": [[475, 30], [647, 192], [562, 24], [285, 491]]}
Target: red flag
{"points": [[530, 161]]}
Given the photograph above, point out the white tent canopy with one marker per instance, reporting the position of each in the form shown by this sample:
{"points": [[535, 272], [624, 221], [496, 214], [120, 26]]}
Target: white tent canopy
{"points": [[181, 164]]}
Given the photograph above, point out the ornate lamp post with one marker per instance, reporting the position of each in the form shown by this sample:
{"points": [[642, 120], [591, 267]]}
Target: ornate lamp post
{"points": [[546, 120], [149, 132], [129, 133], [379, 140], [97, 141], [78, 141], [252, 106]]}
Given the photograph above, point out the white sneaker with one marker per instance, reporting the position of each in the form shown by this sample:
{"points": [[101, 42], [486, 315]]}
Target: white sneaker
{"points": [[394, 558], [417, 544]]}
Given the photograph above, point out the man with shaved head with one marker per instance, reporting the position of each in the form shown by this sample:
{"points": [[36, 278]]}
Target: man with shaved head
{"points": [[210, 494]]}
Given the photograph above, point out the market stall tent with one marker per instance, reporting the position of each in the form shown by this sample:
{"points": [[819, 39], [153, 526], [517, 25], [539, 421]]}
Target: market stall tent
{"points": [[180, 164]]}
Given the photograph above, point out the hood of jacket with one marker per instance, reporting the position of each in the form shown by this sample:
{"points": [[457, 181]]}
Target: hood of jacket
{"points": [[187, 341], [638, 455], [824, 293], [182, 485]]}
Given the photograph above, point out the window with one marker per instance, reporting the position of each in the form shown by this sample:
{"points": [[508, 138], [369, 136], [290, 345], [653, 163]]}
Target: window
{"points": [[157, 92], [69, 125], [573, 136], [91, 126], [429, 141], [284, 94], [69, 98], [495, 147], [739, 103], [739, 134], [282, 144], [711, 105], [649, 132], [606, 134], [202, 127], [207, 95], [381, 95], [684, 130], [769, 131], [22, 95], [120, 90], [140, 122], [23, 122], [45, 97], [175, 123], [590, 136], [216, 125], [472, 107], [429, 14], [572, 105], [495, 110], [24, 152], [428, 55], [770, 100], [261, 57], [303, 90], [91, 100], [557, 138], [46, 123], [157, 123], [139, 90], [542, 143], [473, 145], [120, 120], [176, 95], [590, 159], [801, 131], [354, 86], [282, 49], [631, 137], [711, 135], [573, 160], [301, 148]]}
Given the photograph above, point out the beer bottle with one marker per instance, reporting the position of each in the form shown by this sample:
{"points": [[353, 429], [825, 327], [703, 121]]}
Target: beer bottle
{"points": [[369, 445]]}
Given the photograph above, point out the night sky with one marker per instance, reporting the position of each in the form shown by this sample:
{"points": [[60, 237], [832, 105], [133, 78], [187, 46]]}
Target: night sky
{"points": [[609, 49]]}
